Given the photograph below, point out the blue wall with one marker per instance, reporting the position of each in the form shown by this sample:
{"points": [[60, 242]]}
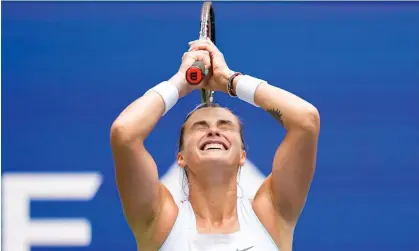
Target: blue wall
{"points": [[68, 69]]}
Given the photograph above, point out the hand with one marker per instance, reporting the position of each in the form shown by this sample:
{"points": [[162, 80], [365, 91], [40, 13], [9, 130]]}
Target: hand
{"points": [[179, 79], [218, 79]]}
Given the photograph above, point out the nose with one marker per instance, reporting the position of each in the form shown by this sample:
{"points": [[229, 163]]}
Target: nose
{"points": [[213, 131]]}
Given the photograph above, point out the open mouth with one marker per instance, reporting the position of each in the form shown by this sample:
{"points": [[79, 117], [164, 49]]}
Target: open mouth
{"points": [[213, 146]]}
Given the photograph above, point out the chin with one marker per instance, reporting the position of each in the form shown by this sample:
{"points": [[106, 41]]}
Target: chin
{"points": [[216, 157]]}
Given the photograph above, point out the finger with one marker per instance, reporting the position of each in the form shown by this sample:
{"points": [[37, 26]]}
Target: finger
{"points": [[198, 40], [211, 48], [206, 59], [203, 56], [196, 43], [190, 57]]}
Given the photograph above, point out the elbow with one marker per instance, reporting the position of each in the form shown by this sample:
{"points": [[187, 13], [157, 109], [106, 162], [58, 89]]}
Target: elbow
{"points": [[310, 119], [120, 133]]}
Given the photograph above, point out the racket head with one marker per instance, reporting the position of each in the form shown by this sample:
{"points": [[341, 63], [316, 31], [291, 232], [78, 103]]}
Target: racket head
{"points": [[207, 31]]}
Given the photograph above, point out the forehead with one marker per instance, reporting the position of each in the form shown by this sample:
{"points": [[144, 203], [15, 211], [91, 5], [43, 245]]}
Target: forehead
{"points": [[212, 114]]}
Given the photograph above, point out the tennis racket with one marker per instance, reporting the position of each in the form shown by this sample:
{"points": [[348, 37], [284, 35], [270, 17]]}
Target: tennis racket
{"points": [[196, 73]]}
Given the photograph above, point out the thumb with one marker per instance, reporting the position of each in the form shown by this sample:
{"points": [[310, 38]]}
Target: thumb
{"points": [[190, 57]]}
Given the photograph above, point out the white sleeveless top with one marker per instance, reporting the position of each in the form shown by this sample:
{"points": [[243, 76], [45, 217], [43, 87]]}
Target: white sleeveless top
{"points": [[251, 237]]}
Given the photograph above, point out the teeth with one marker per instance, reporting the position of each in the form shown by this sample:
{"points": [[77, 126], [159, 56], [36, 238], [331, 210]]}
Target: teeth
{"points": [[214, 146]]}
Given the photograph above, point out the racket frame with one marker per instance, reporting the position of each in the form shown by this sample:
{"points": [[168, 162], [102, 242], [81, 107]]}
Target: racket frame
{"points": [[207, 31]]}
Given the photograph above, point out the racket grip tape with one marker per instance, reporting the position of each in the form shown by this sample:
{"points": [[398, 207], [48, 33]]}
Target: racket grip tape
{"points": [[195, 73]]}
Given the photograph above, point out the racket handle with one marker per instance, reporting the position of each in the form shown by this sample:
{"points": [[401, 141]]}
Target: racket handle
{"points": [[195, 73]]}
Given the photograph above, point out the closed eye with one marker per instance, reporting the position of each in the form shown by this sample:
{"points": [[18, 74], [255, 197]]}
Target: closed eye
{"points": [[199, 125], [225, 124], [221, 124]]}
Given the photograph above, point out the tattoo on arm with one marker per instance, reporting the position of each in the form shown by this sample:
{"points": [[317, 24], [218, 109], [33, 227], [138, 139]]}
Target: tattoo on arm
{"points": [[276, 113]]}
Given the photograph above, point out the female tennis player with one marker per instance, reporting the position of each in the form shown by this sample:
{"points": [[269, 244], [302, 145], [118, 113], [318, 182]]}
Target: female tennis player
{"points": [[211, 152]]}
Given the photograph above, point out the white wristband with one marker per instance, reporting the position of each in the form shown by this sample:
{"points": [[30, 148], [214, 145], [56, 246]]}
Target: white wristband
{"points": [[168, 92], [246, 88]]}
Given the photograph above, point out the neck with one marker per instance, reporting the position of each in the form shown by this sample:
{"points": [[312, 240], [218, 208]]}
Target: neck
{"points": [[214, 197]]}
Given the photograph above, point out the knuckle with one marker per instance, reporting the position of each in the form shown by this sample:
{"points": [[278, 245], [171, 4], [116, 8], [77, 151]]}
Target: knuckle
{"points": [[189, 54], [203, 53]]}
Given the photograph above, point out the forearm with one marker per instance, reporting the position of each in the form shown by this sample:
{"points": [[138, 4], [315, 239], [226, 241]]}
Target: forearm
{"points": [[294, 162], [290, 110], [140, 117]]}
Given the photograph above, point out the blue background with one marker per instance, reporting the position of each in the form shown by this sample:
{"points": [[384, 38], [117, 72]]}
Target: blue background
{"points": [[68, 69]]}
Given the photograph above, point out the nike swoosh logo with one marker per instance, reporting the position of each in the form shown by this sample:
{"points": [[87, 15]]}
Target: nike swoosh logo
{"points": [[245, 249]]}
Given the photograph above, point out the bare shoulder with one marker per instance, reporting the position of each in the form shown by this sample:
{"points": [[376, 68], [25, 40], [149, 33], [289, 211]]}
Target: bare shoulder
{"points": [[280, 231], [153, 237]]}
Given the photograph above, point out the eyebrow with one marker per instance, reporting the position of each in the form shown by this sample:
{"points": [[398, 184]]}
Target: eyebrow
{"points": [[225, 122], [198, 123], [219, 122]]}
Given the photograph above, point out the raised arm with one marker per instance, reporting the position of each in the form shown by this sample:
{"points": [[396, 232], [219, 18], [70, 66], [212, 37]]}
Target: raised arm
{"points": [[294, 162], [143, 197], [135, 170]]}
